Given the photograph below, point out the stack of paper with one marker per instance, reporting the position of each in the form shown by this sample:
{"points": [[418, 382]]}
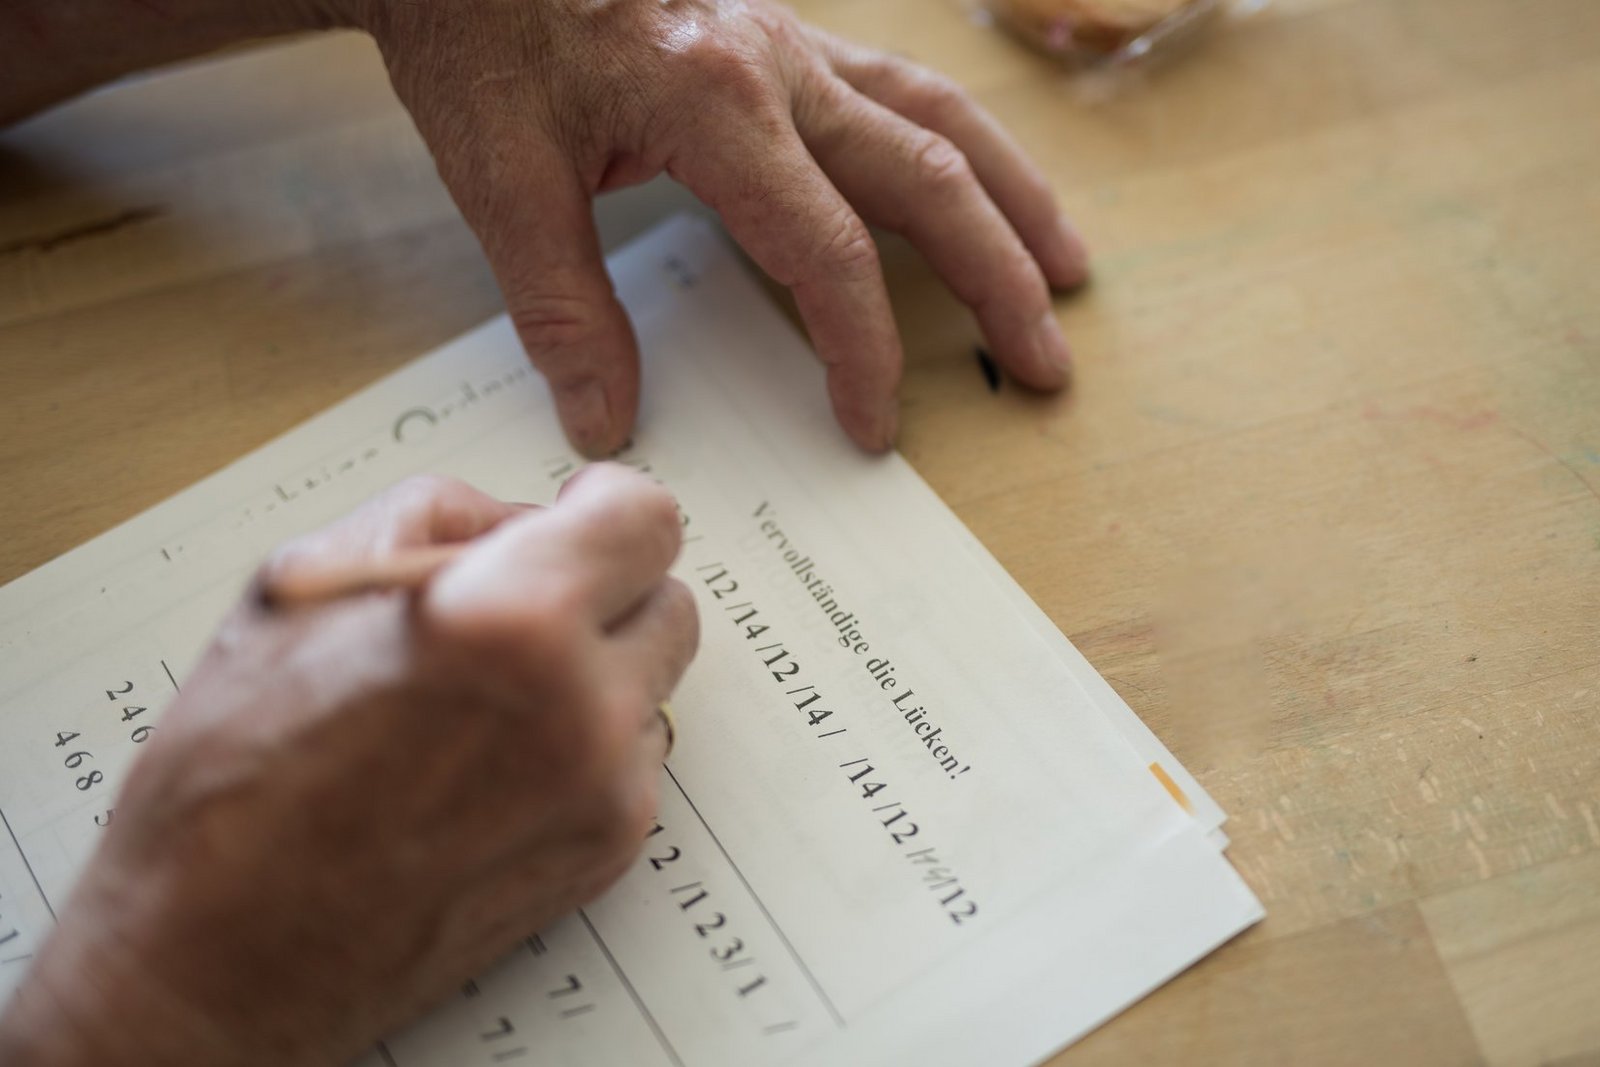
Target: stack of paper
{"points": [[977, 855]]}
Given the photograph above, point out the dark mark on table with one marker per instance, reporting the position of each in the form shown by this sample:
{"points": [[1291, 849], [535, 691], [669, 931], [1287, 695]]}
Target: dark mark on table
{"points": [[991, 371], [51, 241]]}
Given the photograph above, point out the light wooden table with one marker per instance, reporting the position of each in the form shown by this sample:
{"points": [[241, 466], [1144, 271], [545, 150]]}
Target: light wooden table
{"points": [[1324, 504]]}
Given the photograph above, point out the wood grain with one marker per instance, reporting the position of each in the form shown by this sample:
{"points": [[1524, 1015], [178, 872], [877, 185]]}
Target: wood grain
{"points": [[1323, 503]]}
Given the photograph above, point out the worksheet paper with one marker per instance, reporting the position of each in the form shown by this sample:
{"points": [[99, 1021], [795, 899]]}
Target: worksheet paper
{"points": [[904, 822]]}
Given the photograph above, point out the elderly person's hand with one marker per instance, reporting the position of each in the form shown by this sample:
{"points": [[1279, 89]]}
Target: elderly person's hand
{"points": [[353, 807], [531, 107]]}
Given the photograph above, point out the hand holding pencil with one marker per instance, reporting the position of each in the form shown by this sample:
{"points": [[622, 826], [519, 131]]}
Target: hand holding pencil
{"points": [[442, 771]]}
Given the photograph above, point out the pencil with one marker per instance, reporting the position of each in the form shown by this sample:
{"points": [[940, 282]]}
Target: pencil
{"points": [[310, 581]]}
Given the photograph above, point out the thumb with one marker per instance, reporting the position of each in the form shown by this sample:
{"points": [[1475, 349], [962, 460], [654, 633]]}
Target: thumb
{"points": [[541, 242]]}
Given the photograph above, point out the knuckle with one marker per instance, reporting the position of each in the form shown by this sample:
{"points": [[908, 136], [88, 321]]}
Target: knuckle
{"points": [[937, 96], [729, 69], [660, 511], [781, 28], [553, 319], [536, 635], [685, 616], [417, 507], [849, 249], [939, 165]]}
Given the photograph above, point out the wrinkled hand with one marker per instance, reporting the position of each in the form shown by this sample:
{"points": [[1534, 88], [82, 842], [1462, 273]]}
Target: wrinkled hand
{"points": [[352, 807], [531, 107]]}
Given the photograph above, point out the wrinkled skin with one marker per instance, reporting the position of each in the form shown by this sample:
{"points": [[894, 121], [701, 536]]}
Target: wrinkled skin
{"points": [[531, 107], [794, 137], [353, 807]]}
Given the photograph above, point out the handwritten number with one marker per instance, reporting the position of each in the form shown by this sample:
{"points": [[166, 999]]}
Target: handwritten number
{"points": [[63, 738], [661, 861]]}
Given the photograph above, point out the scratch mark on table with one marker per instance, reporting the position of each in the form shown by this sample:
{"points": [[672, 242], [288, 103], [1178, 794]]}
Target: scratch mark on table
{"points": [[1131, 685], [1589, 821], [1475, 420], [51, 241], [1542, 447], [1484, 870]]}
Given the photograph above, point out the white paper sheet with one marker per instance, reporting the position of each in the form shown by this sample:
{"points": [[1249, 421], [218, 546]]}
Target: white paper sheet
{"points": [[982, 881]]}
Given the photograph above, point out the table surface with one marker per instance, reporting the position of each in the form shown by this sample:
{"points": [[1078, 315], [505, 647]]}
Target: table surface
{"points": [[1323, 504]]}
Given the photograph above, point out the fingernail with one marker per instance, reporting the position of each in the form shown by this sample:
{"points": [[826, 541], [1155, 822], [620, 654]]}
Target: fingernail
{"points": [[1050, 346], [1073, 269], [586, 414]]}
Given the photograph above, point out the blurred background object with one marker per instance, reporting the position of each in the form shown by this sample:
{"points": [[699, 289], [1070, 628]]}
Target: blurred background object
{"points": [[1103, 31]]}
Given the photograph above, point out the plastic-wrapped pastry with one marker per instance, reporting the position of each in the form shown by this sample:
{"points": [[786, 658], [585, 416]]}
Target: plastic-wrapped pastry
{"points": [[1097, 28]]}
